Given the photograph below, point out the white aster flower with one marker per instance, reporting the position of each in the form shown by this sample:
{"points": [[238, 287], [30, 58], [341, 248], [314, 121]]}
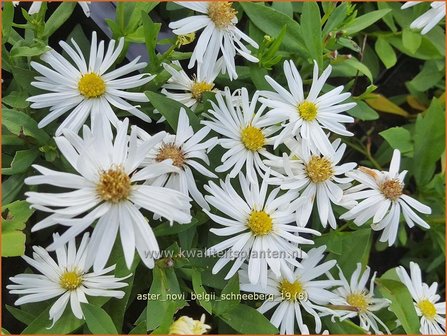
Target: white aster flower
{"points": [[307, 117], [184, 149], [67, 278], [318, 175], [245, 132], [189, 91], [383, 200], [218, 18], [360, 300], [87, 89], [260, 228], [106, 187], [426, 301], [36, 5], [294, 291], [430, 18], [185, 325]]}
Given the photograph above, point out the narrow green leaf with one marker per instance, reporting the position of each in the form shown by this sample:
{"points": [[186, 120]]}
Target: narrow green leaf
{"points": [[248, 320], [170, 109], [58, 18], [200, 290], [385, 52], [22, 161], [311, 31], [98, 321], [401, 303], [365, 21]]}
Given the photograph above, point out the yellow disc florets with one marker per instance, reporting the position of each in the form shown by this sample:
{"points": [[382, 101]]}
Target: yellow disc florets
{"points": [[307, 110], [427, 309], [91, 85], [358, 301], [252, 138], [221, 13], [198, 88], [319, 169], [70, 280], [173, 152], [114, 185], [392, 189], [260, 223], [291, 291]]}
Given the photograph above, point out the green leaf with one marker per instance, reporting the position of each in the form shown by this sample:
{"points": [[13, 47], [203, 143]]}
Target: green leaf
{"points": [[29, 49], [429, 142], [21, 315], [98, 321], [170, 109], [22, 161], [21, 124], [161, 305], [14, 218], [58, 18], [248, 320], [65, 325], [356, 64], [166, 229], [270, 21], [311, 31], [335, 19], [429, 76], [7, 20], [11, 188], [363, 112], [365, 21], [401, 303], [411, 40], [135, 17], [283, 7], [345, 327], [225, 305], [385, 52], [151, 31], [16, 100], [398, 138], [200, 290]]}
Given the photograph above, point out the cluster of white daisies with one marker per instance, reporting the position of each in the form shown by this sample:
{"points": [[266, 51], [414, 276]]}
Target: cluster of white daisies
{"points": [[119, 172]]}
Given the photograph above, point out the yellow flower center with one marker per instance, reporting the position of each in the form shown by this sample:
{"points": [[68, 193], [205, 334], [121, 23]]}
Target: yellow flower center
{"points": [[307, 110], [252, 138], [221, 13], [114, 185], [185, 325], [359, 301], [185, 39], [91, 85], [319, 169], [198, 88], [291, 291], [427, 308], [70, 280], [392, 189], [260, 223], [173, 152]]}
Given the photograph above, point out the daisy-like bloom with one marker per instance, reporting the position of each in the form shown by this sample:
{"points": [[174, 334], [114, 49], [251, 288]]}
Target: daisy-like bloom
{"points": [[318, 175], [185, 325], [245, 132], [189, 91], [294, 291], [426, 301], [87, 89], [383, 200], [259, 226], [307, 116], [218, 21], [430, 18], [67, 278], [107, 187], [35, 7], [355, 300], [184, 149]]}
